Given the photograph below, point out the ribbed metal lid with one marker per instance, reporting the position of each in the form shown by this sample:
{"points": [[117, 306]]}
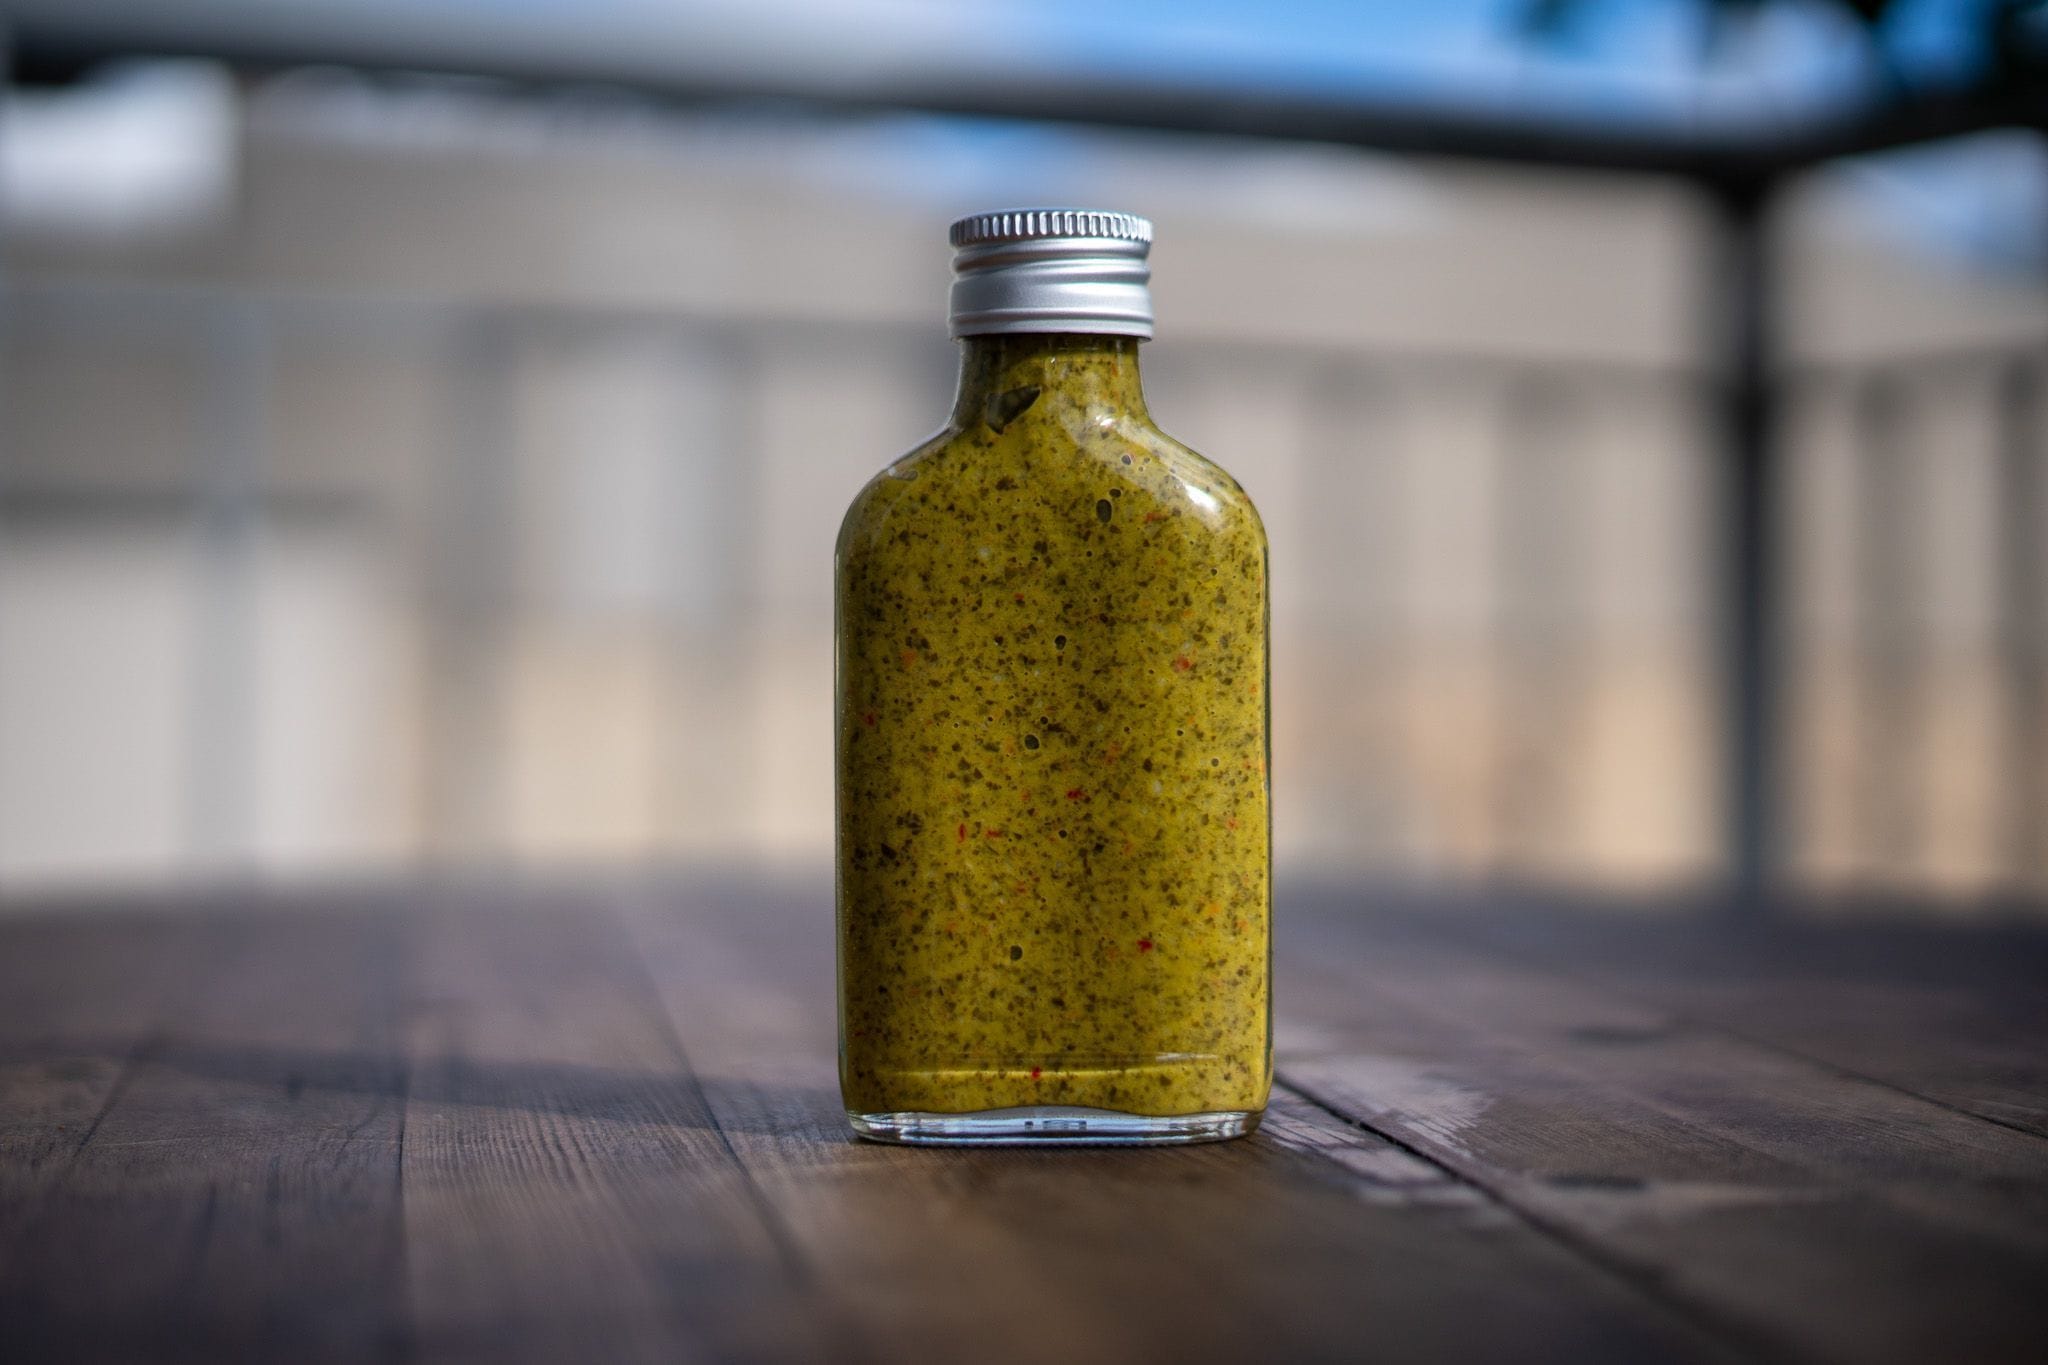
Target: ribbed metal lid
{"points": [[1051, 270], [1020, 225]]}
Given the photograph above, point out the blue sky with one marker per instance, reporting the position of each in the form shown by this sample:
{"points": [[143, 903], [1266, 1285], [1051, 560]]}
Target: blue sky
{"points": [[1636, 63], [1981, 202], [1646, 62]]}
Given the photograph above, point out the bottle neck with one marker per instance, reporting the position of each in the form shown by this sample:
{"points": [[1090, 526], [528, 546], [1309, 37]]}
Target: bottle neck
{"points": [[1098, 371]]}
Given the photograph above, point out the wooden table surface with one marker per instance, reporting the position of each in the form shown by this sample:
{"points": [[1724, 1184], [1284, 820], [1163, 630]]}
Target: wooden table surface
{"points": [[602, 1124]]}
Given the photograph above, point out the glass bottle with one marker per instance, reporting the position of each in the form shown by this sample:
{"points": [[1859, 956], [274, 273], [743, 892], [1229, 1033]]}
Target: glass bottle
{"points": [[1054, 866]]}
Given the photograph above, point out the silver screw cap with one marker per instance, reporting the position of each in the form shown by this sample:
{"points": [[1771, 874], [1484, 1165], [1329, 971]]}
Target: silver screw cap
{"points": [[1051, 270]]}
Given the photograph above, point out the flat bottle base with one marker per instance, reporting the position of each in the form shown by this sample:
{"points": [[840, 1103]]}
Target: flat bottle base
{"points": [[1050, 1125]]}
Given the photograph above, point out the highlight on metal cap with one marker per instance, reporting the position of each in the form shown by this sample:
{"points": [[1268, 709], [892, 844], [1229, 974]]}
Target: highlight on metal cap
{"points": [[1051, 270]]}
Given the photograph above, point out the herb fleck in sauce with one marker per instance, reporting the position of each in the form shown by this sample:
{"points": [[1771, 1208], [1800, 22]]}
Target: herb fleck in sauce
{"points": [[1053, 815]]}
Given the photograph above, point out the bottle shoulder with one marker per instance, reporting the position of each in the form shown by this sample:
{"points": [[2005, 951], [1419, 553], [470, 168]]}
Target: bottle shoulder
{"points": [[1205, 482], [1103, 470], [879, 495]]}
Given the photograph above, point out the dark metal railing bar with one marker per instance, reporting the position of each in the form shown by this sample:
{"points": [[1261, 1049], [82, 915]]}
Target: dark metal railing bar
{"points": [[1743, 336], [558, 50]]}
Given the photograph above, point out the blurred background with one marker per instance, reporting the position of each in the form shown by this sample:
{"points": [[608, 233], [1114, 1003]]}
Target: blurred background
{"points": [[426, 425]]}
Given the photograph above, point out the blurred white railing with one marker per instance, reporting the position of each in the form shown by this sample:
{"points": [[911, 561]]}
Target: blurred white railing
{"points": [[294, 583]]}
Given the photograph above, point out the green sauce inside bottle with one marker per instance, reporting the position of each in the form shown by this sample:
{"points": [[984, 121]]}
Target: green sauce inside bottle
{"points": [[1054, 825]]}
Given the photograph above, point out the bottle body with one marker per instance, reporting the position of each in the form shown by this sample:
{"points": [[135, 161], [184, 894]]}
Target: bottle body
{"points": [[1054, 891]]}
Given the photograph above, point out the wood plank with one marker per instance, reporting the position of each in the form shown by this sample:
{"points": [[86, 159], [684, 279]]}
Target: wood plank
{"points": [[238, 1196], [1957, 1013], [568, 1195], [1981, 1056], [1314, 1240], [1772, 1102], [349, 1132], [1816, 1212], [79, 995]]}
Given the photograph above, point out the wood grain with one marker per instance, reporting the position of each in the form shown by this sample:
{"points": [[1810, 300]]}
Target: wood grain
{"points": [[568, 1194], [78, 997], [473, 1122], [1953, 1013], [1809, 1209], [1314, 1241], [237, 1196]]}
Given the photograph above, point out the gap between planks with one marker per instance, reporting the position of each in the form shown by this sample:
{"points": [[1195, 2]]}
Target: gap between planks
{"points": [[1612, 975], [1692, 1017], [1488, 1032], [1726, 1329]]}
